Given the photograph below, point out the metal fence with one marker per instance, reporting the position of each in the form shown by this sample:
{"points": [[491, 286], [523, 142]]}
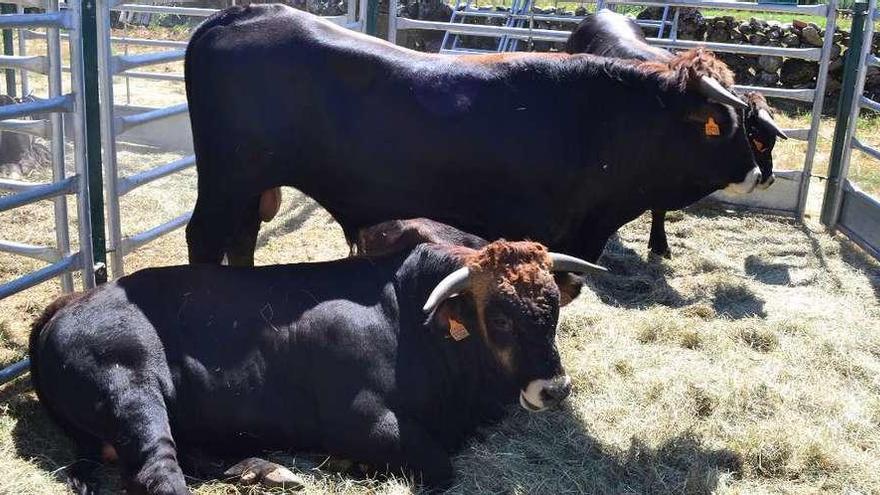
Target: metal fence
{"points": [[62, 263], [788, 195], [112, 125], [847, 207]]}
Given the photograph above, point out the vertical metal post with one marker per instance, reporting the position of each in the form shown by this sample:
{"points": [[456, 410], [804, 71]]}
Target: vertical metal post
{"points": [[350, 11], [362, 14], [108, 138], [86, 132], [8, 49], [372, 25], [848, 110], [62, 234], [818, 99], [22, 50], [392, 21]]}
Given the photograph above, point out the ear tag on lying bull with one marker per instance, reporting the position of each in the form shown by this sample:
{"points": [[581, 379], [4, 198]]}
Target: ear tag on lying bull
{"points": [[457, 330], [712, 128], [759, 145]]}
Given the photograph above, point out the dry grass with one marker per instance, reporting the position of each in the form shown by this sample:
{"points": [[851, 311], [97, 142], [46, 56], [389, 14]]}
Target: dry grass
{"points": [[747, 364]]}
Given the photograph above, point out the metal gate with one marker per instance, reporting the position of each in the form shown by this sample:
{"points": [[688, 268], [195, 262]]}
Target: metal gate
{"points": [[61, 262], [789, 194], [847, 207], [112, 125]]}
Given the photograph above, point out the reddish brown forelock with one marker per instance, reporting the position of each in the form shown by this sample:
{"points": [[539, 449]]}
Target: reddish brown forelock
{"points": [[686, 68]]}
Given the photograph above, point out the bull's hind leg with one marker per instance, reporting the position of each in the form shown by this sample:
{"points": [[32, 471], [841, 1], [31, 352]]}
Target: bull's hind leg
{"points": [[208, 230]]}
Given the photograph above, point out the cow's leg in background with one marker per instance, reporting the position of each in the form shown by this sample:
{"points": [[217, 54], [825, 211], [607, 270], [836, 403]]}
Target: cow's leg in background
{"points": [[241, 246], [657, 242], [208, 230]]}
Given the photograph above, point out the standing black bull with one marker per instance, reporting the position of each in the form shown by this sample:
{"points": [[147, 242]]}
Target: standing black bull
{"points": [[610, 34], [343, 357], [373, 132]]}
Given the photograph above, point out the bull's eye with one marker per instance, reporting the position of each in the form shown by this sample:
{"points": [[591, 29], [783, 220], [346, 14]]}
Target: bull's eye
{"points": [[501, 323]]}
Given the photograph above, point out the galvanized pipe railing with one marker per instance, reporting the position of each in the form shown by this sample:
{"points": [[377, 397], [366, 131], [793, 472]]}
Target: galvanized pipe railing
{"points": [[62, 262]]}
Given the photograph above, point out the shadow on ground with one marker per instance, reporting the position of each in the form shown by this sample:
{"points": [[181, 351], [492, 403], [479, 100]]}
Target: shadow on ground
{"points": [[633, 282], [554, 453]]}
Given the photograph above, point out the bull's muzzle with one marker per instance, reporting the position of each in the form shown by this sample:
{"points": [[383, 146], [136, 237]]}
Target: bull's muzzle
{"points": [[542, 394]]}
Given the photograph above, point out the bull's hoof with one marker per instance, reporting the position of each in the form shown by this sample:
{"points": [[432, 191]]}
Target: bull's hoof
{"points": [[255, 470], [656, 253]]}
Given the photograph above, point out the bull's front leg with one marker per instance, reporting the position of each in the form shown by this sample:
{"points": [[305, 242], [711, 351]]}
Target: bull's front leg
{"points": [[657, 242], [399, 445]]}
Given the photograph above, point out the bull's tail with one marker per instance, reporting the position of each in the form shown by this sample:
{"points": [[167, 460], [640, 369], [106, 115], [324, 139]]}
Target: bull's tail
{"points": [[81, 473]]}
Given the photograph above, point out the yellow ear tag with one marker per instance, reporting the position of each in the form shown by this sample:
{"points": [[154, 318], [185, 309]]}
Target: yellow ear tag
{"points": [[758, 145], [457, 330], [712, 128]]}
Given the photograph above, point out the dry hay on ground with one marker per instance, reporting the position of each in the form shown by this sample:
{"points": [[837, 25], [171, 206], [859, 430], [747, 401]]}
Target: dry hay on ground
{"points": [[747, 364]]}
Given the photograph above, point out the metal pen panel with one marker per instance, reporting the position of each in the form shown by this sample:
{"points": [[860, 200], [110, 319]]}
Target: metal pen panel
{"points": [[79, 146], [56, 121]]}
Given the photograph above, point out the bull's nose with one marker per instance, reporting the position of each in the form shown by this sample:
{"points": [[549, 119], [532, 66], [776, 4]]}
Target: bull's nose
{"points": [[556, 391]]}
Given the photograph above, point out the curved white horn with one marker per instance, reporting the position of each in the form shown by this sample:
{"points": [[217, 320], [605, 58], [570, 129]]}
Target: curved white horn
{"points": [[566, 263], [454, 283], [764, 116], [712, 89]]}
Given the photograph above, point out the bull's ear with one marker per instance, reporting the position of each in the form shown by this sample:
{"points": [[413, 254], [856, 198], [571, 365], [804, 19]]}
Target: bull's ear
{"points": [[570, 286], [449, 318], [713, 120]]}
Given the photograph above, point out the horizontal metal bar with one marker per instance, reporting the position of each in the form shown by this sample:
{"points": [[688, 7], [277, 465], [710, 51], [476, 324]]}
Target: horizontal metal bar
{"points": [[43, 253], [480, 30], [39, 128], [62, 19], [67, 264], [121, 63], [801, 53], [63, 103], [806, 94], [156, 76], [126, 184], [818, 10], [39, 193], [123, 124], [574, 19], [798, 134], [13, 371], [464, 50], [129, 244], [18, 186], [162, 9], [864, 148], [33, 63], [868, 103], [121, 41]]}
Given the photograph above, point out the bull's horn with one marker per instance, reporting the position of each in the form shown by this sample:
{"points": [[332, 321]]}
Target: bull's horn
{"points": [[764, 116], [566, 263], [454, 283], [712, 89]]}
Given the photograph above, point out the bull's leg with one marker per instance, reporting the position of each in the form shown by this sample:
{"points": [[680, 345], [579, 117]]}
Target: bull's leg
{"points": [[657, 242], [404, 446], [240, 251], [208, 230], [143, 442]]}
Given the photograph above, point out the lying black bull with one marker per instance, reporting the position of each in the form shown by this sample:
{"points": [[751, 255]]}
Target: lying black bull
{"points": [[610, 34], [373, 131], [338, 357]]}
